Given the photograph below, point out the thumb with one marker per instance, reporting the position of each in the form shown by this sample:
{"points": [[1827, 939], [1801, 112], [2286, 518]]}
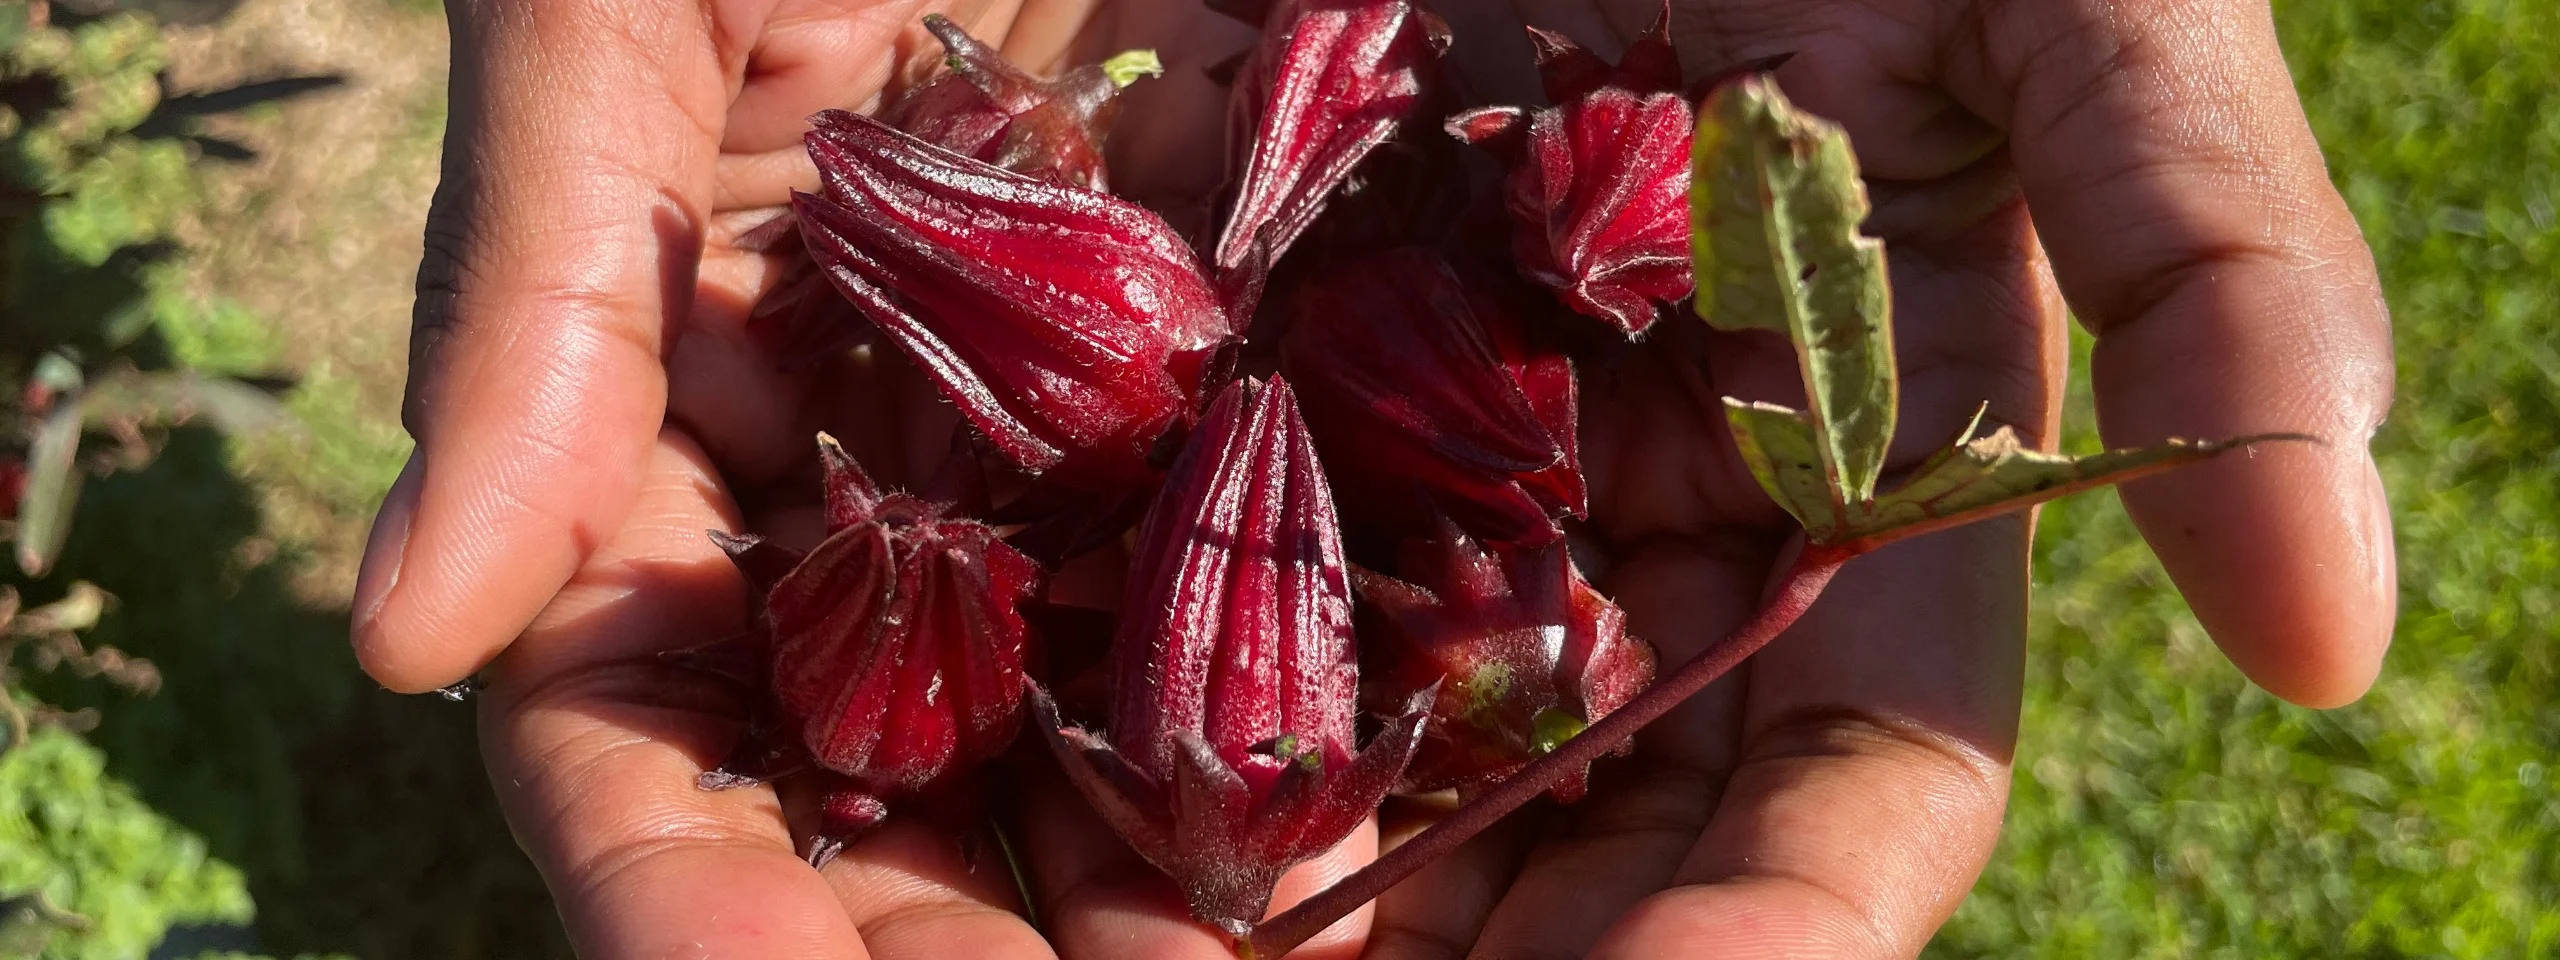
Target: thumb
{"points": [[2175, 181], [560, 251]]}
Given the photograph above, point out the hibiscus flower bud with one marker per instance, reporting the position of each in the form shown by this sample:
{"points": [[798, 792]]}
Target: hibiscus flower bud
{"points": [[1599, 184], [1427, 398], [1523, 652], [1231, 751], [1330, 82], [896, 651], [986, 108], [982, 107], [1071, 328]]}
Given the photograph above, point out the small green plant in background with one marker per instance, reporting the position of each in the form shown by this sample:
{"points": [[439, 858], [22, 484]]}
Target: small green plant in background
{"points": [[266, 755], [86, 207], [51, 636], [95, 873], [88, 199]]}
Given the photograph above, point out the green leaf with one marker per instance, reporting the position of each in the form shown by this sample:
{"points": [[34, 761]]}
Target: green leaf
{"points": [[1775, 209], [125, 193], [1973, 479], [1775, 206], [1778, 445], [1981, 477], [53, 489], [84, 839]]}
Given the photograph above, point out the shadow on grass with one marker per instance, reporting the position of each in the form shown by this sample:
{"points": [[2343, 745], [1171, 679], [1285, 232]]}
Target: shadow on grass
{"points": [[361, 818]]}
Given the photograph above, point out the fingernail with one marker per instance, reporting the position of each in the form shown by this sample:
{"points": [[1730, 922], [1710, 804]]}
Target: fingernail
{"points": [[388, 543]]}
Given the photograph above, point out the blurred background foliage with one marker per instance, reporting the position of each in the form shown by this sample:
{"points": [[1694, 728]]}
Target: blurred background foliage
{"points": [[162, 242], [204, 198]]}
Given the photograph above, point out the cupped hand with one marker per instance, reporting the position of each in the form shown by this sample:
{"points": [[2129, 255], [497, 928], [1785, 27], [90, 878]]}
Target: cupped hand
{"points": [[581, 285], [579, 329], [2144, 165]]}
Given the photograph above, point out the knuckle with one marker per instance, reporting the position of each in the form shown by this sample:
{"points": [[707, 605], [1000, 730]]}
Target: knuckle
{"points": [[2067, 63], [1848, 732], [924, 919], [599, 874]]}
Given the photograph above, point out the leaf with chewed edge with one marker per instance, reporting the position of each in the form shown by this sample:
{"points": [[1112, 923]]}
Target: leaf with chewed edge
{"points": [[1775, 210], [1779, 446], [1983, 476], [1775, 206]]}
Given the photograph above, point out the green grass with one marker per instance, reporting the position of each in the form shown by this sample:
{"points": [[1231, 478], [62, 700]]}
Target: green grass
{"points": [[89, 846], [2165, 809]]}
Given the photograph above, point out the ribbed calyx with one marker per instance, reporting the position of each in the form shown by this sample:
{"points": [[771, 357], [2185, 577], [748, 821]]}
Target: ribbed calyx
{"points": [[1231, 751]]}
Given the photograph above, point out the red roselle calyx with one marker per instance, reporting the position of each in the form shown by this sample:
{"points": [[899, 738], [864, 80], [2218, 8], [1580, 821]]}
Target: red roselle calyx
{"points": [[982, 107], [896, 651], [1524, 653], [1330, 81], [1599, 184], [1427, 398], [989, 109], [1233, 684], [1071, 328]]}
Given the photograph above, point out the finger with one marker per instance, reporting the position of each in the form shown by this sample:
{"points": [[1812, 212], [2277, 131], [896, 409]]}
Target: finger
{"points": [[913, 892], [560, 246], [812, 55], [2194, 227], [593, 749], [1875, 73], [1044, 33], [1873, 766], [756, 402], [744, 391], [1100, 901], [1436, 913]]}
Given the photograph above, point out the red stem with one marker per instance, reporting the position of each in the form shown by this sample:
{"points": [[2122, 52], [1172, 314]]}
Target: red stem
{"points": [[1804, 583]]}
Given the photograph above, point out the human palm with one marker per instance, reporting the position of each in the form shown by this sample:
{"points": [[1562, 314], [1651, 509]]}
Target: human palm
{"points": [[587, 402]]}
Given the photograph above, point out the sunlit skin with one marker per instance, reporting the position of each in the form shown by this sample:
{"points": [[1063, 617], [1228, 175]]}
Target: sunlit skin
{"points": [[586, 407]]}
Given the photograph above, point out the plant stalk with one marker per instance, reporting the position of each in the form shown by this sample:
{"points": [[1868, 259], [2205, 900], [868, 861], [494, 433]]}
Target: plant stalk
{"points": [[1804, 583]]}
